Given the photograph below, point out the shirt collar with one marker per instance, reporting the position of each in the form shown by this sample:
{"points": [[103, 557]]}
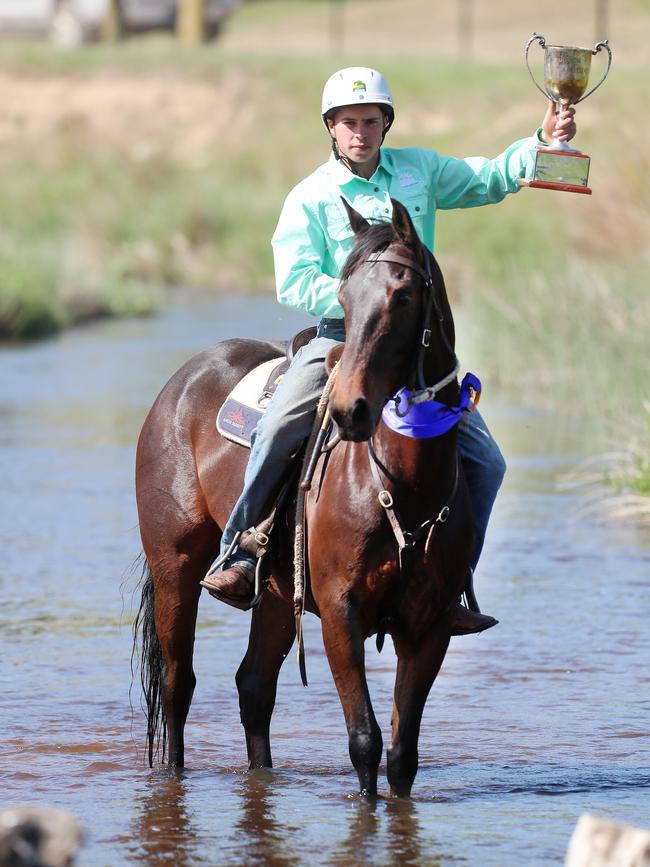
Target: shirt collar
{"points": [[342, 174], [386, 161]]}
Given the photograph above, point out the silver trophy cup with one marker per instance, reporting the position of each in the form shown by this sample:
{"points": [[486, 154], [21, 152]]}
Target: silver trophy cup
{"points": [[566, 76]]}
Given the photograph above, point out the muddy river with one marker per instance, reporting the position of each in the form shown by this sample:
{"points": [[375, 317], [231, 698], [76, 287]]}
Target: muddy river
{"points": [[529, 725]]}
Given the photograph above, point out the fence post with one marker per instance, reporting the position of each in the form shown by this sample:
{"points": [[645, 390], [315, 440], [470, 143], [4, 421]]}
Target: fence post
{"points": [[602, 19], [465, 28], [190, 21], [110, 28], [337, 26]]}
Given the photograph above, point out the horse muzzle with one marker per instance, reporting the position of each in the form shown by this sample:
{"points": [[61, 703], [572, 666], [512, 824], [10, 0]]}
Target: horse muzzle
{"points": [[355, 420]]}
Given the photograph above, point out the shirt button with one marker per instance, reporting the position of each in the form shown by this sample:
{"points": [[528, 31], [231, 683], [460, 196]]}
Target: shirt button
{"points": [[417, 207], [385, 210], [376, 189]]}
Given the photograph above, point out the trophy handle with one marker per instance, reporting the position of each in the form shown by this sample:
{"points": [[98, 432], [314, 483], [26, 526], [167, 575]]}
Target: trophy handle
{"points": [[542, 44], [595, 50]]}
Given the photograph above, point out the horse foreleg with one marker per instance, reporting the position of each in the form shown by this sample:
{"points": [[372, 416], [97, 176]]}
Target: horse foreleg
{"points": [[344, 645], [417, 668], [272, 633]]}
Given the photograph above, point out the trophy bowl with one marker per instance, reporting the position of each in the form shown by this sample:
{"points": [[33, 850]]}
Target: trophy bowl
{"points": [[566, 73], [566, 70]]}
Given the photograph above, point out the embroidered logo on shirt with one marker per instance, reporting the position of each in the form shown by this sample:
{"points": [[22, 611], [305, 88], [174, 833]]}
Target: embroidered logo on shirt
{"points": [[406, 179]]}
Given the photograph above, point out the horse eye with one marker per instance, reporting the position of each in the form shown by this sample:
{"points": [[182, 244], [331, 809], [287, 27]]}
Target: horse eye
{"points": [[402, 297]]}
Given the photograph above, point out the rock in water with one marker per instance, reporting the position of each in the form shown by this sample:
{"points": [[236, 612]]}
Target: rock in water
{"points": [[600, 842], [38, 836]]}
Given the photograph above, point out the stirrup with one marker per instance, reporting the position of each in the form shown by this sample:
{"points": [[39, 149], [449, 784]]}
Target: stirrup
{"points": [[223, 559]]}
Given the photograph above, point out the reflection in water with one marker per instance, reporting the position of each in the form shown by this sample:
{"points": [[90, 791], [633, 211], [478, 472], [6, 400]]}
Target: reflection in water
{"points": [[404, 834], [163, 830], [386, 831], [360, 842], [265, 837]]}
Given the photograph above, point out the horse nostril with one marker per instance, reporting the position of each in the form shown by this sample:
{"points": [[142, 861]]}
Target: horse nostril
{"points": [[354, 420], [336, 415], [360, 414]]}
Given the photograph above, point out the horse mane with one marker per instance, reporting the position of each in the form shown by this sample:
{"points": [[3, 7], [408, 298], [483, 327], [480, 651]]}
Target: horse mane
{"points": [[375, 239]]}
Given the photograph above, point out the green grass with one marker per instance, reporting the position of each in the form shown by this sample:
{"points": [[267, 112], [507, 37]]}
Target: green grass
{"points": [[30, 306]]}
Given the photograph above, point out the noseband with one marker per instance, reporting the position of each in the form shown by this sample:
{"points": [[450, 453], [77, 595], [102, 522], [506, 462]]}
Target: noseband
{"points": [[432, 303]]}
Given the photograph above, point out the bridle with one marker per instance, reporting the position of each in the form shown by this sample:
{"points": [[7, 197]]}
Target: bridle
{"points": [[407, 541], [432, 305]]}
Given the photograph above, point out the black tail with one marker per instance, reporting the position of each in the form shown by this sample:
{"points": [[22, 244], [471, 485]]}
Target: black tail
{"points": [[145, 640]]}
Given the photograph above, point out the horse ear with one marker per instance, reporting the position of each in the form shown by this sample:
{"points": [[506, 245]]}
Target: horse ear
{"points": [[356, 220], [402, 224]]}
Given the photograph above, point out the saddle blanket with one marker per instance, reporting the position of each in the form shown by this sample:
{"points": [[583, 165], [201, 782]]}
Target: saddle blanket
{"points": [[247, 402]]}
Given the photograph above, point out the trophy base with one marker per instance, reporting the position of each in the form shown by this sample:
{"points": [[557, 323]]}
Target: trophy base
{"points": [[549, 185], [563, 170]]}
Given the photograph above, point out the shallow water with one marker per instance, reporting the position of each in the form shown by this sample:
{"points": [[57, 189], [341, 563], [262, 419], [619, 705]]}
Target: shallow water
{"points": [[529, 725]]}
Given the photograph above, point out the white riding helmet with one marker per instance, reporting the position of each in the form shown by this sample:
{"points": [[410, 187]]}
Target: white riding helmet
{"points": [[357, 85]]}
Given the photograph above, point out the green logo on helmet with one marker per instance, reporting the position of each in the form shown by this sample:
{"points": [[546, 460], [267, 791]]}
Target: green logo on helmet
{"points": [[358, 85]]}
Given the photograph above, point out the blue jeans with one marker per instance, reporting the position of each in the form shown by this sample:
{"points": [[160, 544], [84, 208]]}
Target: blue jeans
{"points": [[289, 419], [484, 470], [280, 432]]}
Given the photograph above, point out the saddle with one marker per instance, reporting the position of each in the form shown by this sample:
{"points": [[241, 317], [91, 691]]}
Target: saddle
{"points": [[248, 400]]}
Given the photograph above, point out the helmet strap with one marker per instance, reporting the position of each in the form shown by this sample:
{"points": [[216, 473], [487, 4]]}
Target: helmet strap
{"points": [[346, 162]]}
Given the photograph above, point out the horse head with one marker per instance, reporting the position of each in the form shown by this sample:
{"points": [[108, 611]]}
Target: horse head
{"points": [[398, 323]]}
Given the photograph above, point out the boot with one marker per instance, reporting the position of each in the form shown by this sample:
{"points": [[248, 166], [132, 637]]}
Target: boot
{"points": [[463, 621], [235, 585], [466, 621]]}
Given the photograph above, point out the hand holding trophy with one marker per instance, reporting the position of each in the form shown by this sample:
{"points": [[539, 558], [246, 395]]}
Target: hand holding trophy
{"points": [[566, 75]]}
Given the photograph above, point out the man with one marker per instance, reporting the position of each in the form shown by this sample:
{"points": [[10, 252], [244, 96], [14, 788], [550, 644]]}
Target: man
{"points": [[311, 243]]}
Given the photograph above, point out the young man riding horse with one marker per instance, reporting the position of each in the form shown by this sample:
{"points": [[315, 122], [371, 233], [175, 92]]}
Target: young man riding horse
{"points": [[311, 243]]}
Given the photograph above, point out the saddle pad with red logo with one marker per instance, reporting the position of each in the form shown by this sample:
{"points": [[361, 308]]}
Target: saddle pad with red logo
{"points": [[247, 402]]}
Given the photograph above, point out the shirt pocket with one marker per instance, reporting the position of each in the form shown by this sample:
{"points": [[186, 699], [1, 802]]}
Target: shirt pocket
{"points": [[337, 225], [416, 204]]}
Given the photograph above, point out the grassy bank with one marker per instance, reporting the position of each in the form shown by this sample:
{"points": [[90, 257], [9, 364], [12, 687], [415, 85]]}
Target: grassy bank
{"points": [[130, 168]]}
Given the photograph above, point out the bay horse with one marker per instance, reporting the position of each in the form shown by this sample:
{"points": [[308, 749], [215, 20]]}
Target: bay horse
{"points": [[399, 330]]}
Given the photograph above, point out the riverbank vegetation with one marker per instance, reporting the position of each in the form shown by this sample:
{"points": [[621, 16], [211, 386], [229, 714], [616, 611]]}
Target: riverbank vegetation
{"points": [[127, 169]]}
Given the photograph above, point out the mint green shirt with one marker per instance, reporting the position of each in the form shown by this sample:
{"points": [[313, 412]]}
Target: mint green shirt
{"points": [[313, 237]]}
